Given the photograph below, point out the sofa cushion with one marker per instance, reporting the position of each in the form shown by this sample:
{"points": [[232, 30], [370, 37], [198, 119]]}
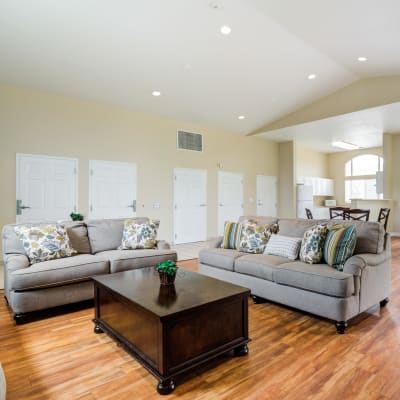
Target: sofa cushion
{"points": [[58, 272], [106, 234], [123, 260], [45, 242], [320, 278], [139, 236], [219, 258], [339, 245], [77, 233], [295, 227], [312, 245], [283, 246], [231, 238], [259, 265], [260, 220], [370, 235], [253, 237]]}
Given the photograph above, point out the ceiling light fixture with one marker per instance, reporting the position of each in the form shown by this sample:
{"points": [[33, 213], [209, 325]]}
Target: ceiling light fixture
{"points": [[225, 30], [156, 93], [215, 5], [345, 145], [311, 77], [362, 59], [241, 117]]}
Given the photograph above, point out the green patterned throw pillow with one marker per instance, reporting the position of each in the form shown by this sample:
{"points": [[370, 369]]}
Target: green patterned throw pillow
{"points": [[139, 236], [339, 245], [254, 237], [44, 242], [312, 245], [231, 239]]}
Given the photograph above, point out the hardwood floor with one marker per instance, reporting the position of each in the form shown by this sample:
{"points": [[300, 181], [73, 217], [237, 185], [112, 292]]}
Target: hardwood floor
{"points": [[292, 356]]}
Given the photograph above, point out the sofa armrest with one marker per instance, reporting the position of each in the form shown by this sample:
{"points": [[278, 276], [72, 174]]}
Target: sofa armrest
{"points": [[355, 264], [12, 262], [216, 242], [163, 245]]}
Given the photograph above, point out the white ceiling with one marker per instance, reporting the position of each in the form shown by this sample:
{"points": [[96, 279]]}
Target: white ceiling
{"points": [[363, 128], [119, 51]]}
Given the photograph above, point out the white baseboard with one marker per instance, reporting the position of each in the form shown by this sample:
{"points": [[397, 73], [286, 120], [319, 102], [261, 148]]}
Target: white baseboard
{"points": [[395, 234]]}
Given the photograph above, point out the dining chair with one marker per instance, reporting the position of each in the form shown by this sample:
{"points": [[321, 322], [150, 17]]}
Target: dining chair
{"points": [[337, 212], [309, 214], [383, 216], [357, 214]]}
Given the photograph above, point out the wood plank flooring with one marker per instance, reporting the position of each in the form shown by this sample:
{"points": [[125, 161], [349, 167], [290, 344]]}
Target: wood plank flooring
{"points": [[292, 356]]}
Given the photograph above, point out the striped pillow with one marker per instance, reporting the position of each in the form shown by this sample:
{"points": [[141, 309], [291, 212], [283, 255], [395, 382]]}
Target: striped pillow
{"points": [[231, 239], [339, 245], [283, 246]]}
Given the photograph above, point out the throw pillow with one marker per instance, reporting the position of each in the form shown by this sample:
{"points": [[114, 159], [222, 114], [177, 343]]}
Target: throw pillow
{"points": [[139, 236], [46, 242], [283, 246], [312, 245], [339, 245], [231, 239], [253, 237]]}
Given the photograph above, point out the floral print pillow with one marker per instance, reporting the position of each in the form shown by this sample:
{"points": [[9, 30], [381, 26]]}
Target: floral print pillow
{"points": [[139, 236], [312, 245], [44, 242], [254, 237]]}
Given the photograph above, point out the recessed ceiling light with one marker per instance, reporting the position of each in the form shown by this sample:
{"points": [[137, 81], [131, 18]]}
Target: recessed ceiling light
{"points": [[311, 77], [225, 30], [241, 117], [362, 59], [345, 145], [156, 93], [215, 5]]}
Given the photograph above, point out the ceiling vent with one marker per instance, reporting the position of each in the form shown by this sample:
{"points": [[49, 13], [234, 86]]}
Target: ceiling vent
{"points": [[190, 141]]}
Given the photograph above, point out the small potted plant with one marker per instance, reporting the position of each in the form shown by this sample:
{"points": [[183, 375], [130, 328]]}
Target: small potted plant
{"points": [[167, 272]]}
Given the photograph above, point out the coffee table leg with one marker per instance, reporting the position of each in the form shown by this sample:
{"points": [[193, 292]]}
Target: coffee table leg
{"points": [[166, 387], [242, 350], [97, 329]]}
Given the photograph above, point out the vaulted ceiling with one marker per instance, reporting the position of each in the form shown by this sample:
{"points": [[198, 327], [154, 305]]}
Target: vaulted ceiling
{"points": [[121, 51]]}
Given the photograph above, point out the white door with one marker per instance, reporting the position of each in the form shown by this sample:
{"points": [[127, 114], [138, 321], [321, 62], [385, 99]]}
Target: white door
{"points": [[266, 195], [112, 189], [190, 205], [47, 188], [230, 198]]}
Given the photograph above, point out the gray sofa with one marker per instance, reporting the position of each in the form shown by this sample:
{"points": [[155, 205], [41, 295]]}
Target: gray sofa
{"points": [[63, 281], [315, 288]]}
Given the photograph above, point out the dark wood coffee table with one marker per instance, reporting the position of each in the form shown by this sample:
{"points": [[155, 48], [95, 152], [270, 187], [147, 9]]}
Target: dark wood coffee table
{"points": [[171, 329]]}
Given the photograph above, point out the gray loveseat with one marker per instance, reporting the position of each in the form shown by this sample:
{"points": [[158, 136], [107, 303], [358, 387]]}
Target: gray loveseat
{"points": [[63, 281], [315, 288]]}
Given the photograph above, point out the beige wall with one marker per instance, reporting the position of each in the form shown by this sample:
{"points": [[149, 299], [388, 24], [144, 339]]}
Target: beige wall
{"points": [[310, 162], [41, 123], [287, 180], [336, 168]]}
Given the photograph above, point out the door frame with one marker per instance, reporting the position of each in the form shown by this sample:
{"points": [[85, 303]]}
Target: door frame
{"points": [[18, 158]]}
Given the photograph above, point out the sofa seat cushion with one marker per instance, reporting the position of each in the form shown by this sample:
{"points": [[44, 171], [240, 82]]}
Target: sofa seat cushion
{"points": [[259, 265], [320, 278], [123, 260], [219, 258], [58, 272]]}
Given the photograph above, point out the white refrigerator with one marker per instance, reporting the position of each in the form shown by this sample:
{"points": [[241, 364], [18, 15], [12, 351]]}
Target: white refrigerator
{"points": [[304, 199]]}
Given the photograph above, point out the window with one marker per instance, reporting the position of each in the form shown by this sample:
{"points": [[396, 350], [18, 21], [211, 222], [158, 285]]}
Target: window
{"points": [[360, 179]]}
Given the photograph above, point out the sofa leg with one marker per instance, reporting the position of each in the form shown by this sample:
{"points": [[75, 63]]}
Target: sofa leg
{"points": [[21, 318], [341, 326], [257, 299], [384, 302]]}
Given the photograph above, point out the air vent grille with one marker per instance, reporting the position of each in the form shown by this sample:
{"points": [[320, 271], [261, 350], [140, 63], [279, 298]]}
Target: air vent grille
{"points": [[190, 141]]}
